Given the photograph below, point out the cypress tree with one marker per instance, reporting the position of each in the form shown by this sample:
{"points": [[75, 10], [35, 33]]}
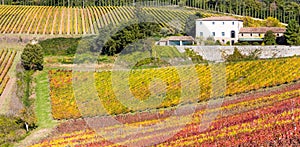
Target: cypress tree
{"points": [[270, 38]]}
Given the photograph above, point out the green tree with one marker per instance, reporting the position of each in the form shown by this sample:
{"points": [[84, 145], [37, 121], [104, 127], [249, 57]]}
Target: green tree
{"points": [[116, 41], [196, 58], [32, 57], [190, 25], [249, 22], [270, 38], [292, 34], [272, 22], [236, 56]]}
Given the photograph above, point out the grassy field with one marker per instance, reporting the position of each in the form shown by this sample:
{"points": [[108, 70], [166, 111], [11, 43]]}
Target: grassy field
{"points": [[42, 102]]}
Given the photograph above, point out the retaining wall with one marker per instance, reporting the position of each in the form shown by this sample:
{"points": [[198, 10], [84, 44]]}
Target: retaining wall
{"points": [[217, 53]]}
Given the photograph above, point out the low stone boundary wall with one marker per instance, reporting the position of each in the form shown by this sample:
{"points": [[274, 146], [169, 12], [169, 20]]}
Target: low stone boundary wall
{"points": [[216, 53]]}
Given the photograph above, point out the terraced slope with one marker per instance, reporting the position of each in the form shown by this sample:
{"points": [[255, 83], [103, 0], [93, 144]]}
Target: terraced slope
{"points": [[268, 118], [240, 77], [63, 20]]}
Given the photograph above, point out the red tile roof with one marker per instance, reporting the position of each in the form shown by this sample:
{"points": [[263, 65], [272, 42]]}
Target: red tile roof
{"points": [[262, 29], [222, 18]]}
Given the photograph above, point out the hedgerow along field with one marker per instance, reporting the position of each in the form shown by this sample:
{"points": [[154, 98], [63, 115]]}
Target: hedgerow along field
{"points": [[265, 118], [6, 60], [76, 20], [240, 77]]}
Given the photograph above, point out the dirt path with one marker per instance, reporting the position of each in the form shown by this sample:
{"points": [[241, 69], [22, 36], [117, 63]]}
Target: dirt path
{"points": [[34, 137], [33, 20], [76, 25], [83, 21], [90, 21], [61, 27], [24, 23], [47, 21], [5, 98], [39, 22], [54, 22], [68, 30]]}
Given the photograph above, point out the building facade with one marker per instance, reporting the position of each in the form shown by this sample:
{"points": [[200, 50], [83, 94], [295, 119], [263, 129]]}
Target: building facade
{"points": [[225, 29], [257, 34]]}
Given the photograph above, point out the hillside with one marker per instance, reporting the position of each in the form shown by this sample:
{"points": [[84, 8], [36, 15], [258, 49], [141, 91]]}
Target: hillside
{"points": [[283, 10], [257, 118], [63, 20]]}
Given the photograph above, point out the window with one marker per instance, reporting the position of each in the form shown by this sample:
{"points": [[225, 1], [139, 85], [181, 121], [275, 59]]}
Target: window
{"points": [[201, 33], [223, 33], [213, 22], [277, 35], [200, 22], [223, 22], [232, 34], [223, 40], [251, 34], [242, 34], [233, 23], [259, 35], [214, 33]]}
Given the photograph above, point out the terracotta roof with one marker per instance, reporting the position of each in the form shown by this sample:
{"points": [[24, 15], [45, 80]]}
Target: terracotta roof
{"points": [[222, 18], [180, 38], [164, 39], [262, 30]]}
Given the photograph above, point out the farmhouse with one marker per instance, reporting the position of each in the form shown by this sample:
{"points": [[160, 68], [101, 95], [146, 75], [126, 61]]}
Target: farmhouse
{"points": [[257, 34], [224, 28], [177, 41]]}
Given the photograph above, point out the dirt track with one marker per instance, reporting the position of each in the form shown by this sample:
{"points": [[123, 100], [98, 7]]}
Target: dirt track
{"points": [[9, 103]]}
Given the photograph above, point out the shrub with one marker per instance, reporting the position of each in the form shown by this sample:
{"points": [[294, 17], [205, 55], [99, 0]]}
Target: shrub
{"points": [[256, 43], [209, 41], [196, 58], [11, 130], [237, 43], [218, 42], [244, 43], [228, 43], [236, 56], [254, 55]]}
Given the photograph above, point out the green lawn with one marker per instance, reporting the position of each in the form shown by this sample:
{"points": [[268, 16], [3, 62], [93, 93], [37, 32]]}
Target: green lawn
{"points": [[42, 102]]}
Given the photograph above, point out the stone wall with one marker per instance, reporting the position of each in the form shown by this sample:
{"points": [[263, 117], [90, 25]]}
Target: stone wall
{"points": [[217, 53]]}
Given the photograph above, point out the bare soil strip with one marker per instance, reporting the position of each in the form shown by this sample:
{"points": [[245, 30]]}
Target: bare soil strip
{"points": [[40, 19], [47, 21]]}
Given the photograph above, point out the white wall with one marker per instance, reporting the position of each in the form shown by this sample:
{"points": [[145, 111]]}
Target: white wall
{"points": [[207, 27], [214, 53]]}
